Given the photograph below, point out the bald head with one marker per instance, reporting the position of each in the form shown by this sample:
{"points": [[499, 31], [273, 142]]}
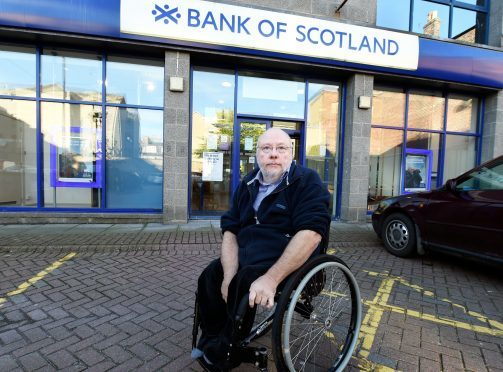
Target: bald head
{"points": [[275, 133], [274, 154]]}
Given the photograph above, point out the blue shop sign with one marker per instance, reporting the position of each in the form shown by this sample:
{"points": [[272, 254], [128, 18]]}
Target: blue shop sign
{"points": [[246, 30], [205, 22]]}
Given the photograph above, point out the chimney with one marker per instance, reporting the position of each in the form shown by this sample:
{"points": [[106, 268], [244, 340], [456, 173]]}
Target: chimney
{"points": [[432, 26]]}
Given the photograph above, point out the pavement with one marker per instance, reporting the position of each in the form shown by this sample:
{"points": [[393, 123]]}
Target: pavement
{"points": [[99, 297]]}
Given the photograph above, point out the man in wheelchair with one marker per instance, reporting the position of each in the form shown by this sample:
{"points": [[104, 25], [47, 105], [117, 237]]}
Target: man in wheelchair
{"points": [[278, 217]]}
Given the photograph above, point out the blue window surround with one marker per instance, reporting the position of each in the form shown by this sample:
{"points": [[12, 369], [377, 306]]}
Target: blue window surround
{"points": [[443, 133], [39, 143], [477, 66], [236, 140], [452, 4]]}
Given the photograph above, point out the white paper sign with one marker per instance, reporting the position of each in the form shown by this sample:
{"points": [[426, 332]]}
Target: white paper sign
{"points": [[248, 143], [213, 166], [209, 22], [323, 150], [211, 142], [251, 159]]}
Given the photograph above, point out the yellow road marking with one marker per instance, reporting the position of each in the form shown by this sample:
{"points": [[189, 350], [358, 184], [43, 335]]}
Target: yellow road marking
{"points": [[379, 304], [24, 286], [440, 320], [373, 317]]}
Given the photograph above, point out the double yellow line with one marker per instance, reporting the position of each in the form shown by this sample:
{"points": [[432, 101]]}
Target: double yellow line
{"points": [[24, 286]]}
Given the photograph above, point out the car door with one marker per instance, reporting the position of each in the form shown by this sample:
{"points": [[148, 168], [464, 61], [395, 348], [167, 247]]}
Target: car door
{"points": [[468, 216]]}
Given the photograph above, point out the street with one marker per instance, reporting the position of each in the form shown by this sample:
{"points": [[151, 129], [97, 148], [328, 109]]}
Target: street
{"points": [[120, 297]]}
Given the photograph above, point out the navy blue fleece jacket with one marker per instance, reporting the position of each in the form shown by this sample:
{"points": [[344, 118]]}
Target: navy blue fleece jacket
{"points": [[300, 202]]}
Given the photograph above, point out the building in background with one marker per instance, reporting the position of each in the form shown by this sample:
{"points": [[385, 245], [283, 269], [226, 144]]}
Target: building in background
{"points": [[129, 111]]}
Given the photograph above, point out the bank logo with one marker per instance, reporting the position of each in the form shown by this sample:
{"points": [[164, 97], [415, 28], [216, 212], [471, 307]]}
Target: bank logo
{"points": [[166, 14]]}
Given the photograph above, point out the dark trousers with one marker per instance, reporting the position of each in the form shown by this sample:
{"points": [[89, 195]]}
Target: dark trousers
{"points": [[217, 317]]}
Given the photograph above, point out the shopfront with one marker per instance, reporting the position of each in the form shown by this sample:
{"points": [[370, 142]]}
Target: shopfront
{"points": [[420, 139], [224, 144], [71, 143], [151, 111]]}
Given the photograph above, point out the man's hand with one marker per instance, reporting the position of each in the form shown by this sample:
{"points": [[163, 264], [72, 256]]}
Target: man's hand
{"points": [[262, 291]]}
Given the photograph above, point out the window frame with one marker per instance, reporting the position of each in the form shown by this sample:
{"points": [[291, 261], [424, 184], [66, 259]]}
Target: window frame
{"points": [[38, 51], [452, 4]]}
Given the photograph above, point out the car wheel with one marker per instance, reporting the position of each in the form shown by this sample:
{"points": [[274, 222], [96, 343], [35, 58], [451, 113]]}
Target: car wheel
{"points": [[399, 235]]}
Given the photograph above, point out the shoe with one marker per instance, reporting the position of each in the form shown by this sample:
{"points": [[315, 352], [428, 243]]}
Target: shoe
{"points": [[207, 366]]}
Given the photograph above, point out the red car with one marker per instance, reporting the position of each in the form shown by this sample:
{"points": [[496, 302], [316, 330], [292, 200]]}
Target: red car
{"points": [[464, 217]]}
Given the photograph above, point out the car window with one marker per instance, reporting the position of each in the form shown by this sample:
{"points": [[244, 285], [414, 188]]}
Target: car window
{"points": [[483, 179]]}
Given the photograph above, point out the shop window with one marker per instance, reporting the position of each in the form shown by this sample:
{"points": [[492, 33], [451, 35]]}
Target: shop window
{"points": [[388, 107], [460, 153], [426, 111], [385, 164], [17, 71], [134, 158], [322, 133], [264, 96], [71, 76], [387, 11], [72, 155], [430, 18], [135, 82], [212, 138], [466, 19], [468, 25], [429, 143], [462, 113], [18, 159]]}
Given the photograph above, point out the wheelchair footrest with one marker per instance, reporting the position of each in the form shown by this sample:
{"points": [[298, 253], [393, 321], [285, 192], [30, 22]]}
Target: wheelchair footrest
{"points": [[254, 355]]}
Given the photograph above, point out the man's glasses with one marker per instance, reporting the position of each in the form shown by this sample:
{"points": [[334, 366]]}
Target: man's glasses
{"points": [[280, 149]]}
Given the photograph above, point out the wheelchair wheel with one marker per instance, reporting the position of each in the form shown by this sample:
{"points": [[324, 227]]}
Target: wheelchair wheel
{"points": [[318, 317]]}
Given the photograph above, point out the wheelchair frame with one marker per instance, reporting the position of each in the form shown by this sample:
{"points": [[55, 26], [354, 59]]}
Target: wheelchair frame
{"points": [[296, 296]]}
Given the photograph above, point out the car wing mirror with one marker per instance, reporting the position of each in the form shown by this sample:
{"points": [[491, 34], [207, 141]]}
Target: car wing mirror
{"points": [[450, 185]]}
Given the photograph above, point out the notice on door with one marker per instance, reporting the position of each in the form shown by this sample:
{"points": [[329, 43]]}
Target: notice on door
{"points": [[213, 166]]}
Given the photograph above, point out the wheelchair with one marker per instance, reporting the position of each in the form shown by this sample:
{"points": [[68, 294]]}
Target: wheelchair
{"points": [[315, 321]]}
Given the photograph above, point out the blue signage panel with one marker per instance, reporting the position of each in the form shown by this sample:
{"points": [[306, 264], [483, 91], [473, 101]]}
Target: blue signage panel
{"points": [[440, 60], [461, 63], [95, 17]]}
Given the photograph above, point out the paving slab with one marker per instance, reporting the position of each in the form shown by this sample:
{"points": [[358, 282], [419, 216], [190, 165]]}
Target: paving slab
{"points": [[119, 297]]}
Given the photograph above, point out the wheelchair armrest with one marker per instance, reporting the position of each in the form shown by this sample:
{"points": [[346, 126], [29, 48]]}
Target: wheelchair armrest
{"points": [[242, 307]]}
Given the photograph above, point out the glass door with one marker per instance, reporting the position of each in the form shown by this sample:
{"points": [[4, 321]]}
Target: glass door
{"points": [[250, 130], [294, 130]]}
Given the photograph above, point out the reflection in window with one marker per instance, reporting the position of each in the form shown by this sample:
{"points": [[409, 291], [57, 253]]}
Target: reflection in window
{"points": [[460, 152], [426, 141], [71, 135], [385, 164], [212, 134], [388, 107], [387, 11], [431, 19], [322, 133], [260, 95], [462, 113], [135, 82], [71, 75], [486, 178], [426, 111], [17, 71], [134, 158], [468, 25], [18, 158]]}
